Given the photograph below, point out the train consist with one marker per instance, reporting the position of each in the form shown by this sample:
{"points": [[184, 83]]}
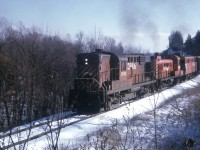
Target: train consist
{"points": [[105, 79]]}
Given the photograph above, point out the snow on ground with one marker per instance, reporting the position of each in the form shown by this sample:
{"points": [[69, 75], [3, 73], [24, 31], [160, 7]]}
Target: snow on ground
{"points": [[81, 129], [173, 121]]}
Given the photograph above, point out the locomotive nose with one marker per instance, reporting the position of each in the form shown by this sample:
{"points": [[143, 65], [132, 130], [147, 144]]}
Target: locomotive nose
{"points": [[88, 103]]}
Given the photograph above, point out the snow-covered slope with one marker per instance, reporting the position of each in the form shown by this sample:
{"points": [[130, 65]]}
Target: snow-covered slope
{"points": [[76, 131]]}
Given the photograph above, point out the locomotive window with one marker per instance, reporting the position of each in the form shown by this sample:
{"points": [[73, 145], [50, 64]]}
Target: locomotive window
{"points": [[165, 65], [123, 66], [131, 59], [137, 59]]}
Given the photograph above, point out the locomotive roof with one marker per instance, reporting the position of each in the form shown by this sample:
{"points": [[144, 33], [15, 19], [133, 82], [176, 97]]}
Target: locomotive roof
{"points": [[136, 54], [116, 56], [119, 57]]}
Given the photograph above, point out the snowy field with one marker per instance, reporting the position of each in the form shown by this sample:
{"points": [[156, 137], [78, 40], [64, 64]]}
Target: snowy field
{"points": [[73, 134]]}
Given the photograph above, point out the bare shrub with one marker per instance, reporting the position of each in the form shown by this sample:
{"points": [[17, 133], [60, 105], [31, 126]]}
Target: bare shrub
{"points": [[106, 138]]}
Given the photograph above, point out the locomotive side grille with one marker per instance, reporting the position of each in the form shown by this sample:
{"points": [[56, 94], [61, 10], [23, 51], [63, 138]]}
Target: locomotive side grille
{"points": [[142, 60]]}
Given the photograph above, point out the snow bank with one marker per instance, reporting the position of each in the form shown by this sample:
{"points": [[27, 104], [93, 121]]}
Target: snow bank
{"points": [[81, 129]]}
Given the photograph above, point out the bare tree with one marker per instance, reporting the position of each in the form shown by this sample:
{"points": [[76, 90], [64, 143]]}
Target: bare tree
{"points": [[80, 43]]}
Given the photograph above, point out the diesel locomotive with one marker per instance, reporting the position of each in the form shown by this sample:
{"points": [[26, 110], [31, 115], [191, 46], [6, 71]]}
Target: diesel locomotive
{"points": [[104, 79]]}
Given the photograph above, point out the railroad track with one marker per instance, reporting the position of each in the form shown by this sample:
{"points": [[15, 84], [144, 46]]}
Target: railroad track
{"points": [[44, 130], [65, 121], [31, 125]]}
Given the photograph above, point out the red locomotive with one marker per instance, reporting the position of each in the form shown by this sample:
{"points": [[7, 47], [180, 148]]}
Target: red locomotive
{"points": [[105, 79]]}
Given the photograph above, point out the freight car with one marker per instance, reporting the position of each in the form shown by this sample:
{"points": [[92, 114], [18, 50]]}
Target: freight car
{"points": [[105, 79]]}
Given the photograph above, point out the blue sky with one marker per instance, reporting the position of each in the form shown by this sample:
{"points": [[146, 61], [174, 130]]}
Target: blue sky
{"points": [[145, 23]]}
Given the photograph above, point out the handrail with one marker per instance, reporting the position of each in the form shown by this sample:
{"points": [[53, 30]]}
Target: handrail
{"points": [[67, 86], [88, 79], [69, 83]]}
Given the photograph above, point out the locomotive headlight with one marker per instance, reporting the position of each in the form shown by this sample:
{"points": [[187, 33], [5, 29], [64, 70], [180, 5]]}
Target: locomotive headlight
{"points": [[86, 61]]}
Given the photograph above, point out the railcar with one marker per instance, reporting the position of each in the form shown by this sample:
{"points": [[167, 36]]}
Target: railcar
{"points": [[162, 68], [104, 79], [198, 63], [189, 65], [183, 67]]}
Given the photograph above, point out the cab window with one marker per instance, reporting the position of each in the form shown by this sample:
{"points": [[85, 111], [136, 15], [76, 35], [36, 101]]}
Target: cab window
{"points": [[123, 66]]}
